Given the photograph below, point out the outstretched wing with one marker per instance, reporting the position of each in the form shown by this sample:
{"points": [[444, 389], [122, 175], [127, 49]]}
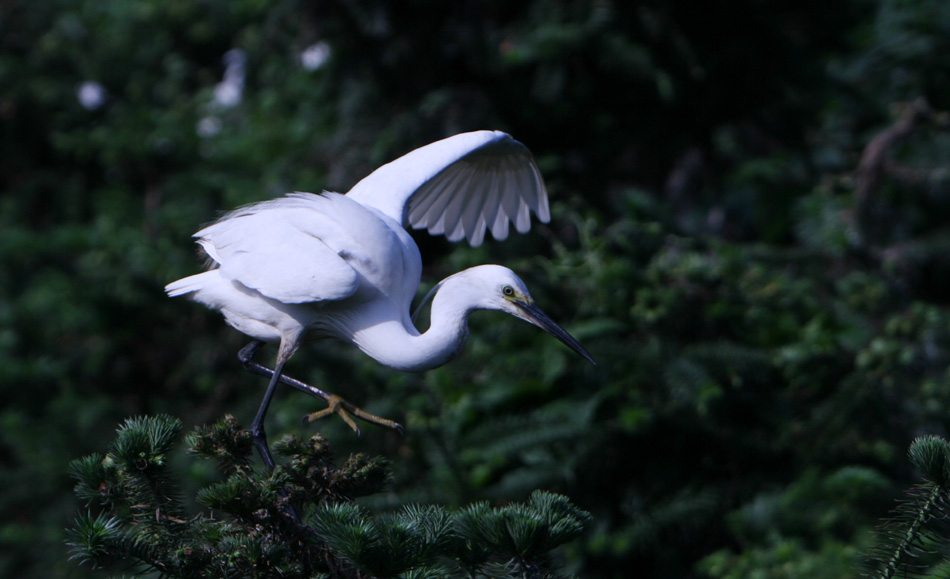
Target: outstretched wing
{"points": [[460, 187], [278, 248]]}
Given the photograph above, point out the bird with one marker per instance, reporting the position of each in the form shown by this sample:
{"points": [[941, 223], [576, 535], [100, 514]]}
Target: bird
{"points": [[344, 266]]}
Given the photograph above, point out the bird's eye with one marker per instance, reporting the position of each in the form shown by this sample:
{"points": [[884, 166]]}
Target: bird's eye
{"points": [[508, 291]]}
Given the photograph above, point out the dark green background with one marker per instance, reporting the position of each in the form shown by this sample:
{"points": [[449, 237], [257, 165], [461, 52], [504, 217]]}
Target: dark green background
{"points": [[768, 345]]}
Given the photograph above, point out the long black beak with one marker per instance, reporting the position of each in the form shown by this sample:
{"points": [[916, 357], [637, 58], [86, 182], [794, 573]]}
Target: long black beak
{"points": [[534, 314]]}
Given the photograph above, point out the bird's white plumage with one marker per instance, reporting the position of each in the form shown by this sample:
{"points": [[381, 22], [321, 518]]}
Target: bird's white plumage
{"points": [[344, 266], [307, 248], [278, 249], [461, 187]]}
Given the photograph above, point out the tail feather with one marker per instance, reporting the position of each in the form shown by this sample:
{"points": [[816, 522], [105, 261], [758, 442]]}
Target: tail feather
{"points": [[185, 285]]}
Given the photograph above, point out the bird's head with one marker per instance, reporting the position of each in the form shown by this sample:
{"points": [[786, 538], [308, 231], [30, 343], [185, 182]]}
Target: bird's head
{"points": [[494, 287]]}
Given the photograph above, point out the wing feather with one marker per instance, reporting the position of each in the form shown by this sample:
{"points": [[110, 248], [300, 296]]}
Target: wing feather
{"points": [[461, 186], [528, 183], [464, 215], [448, 207], [499, 229], [437, 200], [490, 208], [474, 214], [512, 203], [478, 235], [277, 250], [523, 222]]}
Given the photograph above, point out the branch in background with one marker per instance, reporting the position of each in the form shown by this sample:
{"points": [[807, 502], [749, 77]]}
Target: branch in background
{"points": [[874, 165]]}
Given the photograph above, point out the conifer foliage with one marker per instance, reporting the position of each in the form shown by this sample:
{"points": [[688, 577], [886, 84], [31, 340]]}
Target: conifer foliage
{"points": [[915, 540], [298, 521]]}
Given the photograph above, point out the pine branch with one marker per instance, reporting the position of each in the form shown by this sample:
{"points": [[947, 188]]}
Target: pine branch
{"points": [[916, 536], [253, 531]]}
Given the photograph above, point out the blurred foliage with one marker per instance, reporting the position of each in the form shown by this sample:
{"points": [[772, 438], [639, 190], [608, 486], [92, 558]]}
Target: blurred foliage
{"points": [[749, 235]]}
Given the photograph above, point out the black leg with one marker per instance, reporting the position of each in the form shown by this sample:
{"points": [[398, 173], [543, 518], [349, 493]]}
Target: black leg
{"points": [[247, 352], [337, 404], [246, 356], [257, 427]]}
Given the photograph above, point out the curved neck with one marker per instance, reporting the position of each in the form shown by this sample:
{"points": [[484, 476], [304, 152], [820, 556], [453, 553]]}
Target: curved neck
{"points": [[390, 338]]}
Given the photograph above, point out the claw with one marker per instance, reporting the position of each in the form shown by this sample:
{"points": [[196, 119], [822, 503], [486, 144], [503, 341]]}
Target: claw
{"points": [[378, 420], [337, 405], [333, 403], [349, 420]]}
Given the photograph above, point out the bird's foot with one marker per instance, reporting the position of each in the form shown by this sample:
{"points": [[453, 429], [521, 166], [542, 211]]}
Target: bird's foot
{"points": [[338, 405]]}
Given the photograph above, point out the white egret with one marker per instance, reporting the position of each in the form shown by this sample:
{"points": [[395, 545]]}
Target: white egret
{"points": [[343, 266]]}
